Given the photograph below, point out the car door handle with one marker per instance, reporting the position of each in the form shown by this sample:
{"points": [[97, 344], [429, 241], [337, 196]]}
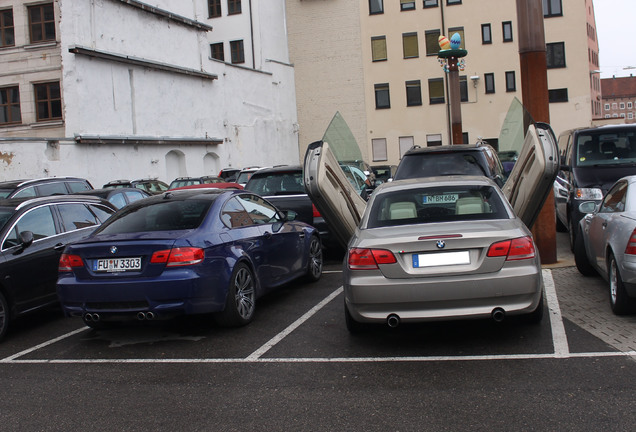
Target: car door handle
{"points": [[59, 247], [302, 235]]}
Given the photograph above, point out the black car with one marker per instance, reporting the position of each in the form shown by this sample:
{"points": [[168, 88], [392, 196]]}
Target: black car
{"points": [[592, 160], [283, 187], [33, 234], [458, 159], [119, 197], [43, 187], [229, 175], [152, 186]]}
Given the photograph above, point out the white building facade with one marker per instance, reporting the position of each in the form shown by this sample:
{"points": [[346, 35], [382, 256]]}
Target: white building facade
{"points": [[130, 89]]}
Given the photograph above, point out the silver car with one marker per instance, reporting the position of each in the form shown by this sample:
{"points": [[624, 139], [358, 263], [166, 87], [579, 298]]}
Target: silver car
{"points": [[438, 248], [606, 243]]}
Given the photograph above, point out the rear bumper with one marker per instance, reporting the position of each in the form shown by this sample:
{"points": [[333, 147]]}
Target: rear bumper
{"points": [[370, 297]]}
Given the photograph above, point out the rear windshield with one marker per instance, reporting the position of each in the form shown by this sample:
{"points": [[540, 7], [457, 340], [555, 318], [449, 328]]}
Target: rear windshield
{"points": [[606, 148], [439, 204], [159, 216], [277, 184], [439, 164]]}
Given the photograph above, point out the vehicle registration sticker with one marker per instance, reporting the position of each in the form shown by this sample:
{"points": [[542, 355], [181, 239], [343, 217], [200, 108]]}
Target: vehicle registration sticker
{"points": [[440, 259], [439, 199], [117, 264]]}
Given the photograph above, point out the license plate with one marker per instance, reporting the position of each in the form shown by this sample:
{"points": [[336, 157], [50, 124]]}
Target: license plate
{"points": [[439, 199], [117, 264], [440, 259]]}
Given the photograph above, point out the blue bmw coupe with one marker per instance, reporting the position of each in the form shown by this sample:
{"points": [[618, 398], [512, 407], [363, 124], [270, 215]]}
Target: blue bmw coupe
{"points": [[186, 252]]}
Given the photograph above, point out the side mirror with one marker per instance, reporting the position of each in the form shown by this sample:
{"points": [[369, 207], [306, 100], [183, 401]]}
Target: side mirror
{"points": [[290, 215], [588, 207]]}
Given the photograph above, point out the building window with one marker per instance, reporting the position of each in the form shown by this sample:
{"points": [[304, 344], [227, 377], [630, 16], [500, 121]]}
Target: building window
{"points": [[413, 93], [217, 51], [507, 31], [622, 115], [42, 23], [629, 105], [430, 3], [7, 37], [607, 116], [407, 5], [436, 91], [614, 105], [237, 52], [465, 137], [10, 105], [558, 95], [409, 45], [511, 84], [489, 82], [432, 42], [48, 101], [214, 8], [378, 48], [233, 7], [378, 146], [486, 34], [453, 2], [630, 116], [555, 55], [433, 140], [552, 8], [622, 105], [463, 88], [376, 7], [405, 144], [382, 99], [614, 115], [460, 31]]}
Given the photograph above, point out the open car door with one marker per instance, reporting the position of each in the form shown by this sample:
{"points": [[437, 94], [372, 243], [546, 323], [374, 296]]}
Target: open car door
{"points": [[331, 192], [534, 173]]}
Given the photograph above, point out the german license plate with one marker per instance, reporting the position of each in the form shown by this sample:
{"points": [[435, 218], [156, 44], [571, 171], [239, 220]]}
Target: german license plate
{"points": [[440, 259], [117, 264], [439, 199]]}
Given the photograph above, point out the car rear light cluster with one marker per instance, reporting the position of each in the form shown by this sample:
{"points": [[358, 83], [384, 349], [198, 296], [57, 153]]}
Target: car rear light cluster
{"points": [[514, 249], [368, 259], [631, 244], [178, 256], [68, 262], [315, 211]]}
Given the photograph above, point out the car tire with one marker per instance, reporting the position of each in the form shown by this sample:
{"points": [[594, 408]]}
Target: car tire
{"points": [[580, 257], [5, 315], [240, 303], [571, 235], [620, 302], [560, 226], [353, 326], [314, 266]]}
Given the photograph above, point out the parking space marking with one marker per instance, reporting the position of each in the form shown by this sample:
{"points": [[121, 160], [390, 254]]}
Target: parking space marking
{"points": [[280, 336], [42, 345], [559, 338]]}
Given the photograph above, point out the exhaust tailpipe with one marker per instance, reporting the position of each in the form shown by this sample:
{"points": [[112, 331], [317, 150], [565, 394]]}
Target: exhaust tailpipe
{"points": [[150, 315], [141, 316], [498, 314], [393, 320], [91, 317]]}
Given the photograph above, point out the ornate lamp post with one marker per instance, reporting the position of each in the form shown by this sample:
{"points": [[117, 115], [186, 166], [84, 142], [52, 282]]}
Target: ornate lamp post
{"points": [[451, 59]]}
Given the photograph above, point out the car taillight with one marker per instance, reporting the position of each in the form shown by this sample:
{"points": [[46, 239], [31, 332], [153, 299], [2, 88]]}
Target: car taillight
{"points": [[178, 256], [67, 262], [514, 249], [368, 259], [631, 244], [316, 213]]}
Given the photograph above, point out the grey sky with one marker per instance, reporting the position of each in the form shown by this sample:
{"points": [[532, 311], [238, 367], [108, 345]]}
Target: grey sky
{"points": [[616, 32]]}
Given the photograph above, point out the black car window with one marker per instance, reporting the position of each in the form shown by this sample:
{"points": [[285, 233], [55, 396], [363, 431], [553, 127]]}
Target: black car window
{"points": [[101, 212], [134, 196], [258, 209], [56, 188], [76, 216], [614, 201], [234, 214], [118, 200], [77, 186], [26, 192], [436, 204], [159, 216], [439, 164], [39, 221]]}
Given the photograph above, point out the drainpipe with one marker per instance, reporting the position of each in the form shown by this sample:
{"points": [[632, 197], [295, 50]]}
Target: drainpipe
{"points": [[252, 37]]}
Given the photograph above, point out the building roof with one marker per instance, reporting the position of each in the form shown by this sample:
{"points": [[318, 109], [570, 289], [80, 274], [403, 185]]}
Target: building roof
{"points": [[618, 87]]}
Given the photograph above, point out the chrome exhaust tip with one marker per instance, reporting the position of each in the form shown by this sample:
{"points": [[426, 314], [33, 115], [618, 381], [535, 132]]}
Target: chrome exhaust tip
{"points": [[150, 315], [141, 316], [393, 320], [498, 314]]}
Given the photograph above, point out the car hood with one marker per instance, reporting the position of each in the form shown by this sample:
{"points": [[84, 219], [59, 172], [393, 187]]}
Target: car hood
{"points": [[601, 176]]}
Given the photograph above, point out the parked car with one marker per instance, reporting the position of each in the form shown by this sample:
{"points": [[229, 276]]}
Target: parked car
{"points": [[244, 176], [33, 233], [606, 243], [186, 252], [592, 160], [189, 181], [152, 186], [458, 159], [119, 197], [383, 173], [43, 187], [440, 248], [211, 186], [229, 174], [283, 187]]}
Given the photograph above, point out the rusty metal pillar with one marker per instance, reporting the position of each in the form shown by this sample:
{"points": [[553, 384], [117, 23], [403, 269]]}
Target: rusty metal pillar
{"points": [[455, 101], [534, 91]]}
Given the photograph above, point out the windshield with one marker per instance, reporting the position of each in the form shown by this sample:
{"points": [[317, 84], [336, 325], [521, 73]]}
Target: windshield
{"points": [[277, 184], [441, 164], [606, 147], [436, 204], [159, 216]]}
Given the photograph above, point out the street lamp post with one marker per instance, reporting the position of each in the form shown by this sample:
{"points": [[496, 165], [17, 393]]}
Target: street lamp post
{"points": [[451, 59]]}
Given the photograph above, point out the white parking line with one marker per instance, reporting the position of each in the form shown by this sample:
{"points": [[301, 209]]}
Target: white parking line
{"points": [[559, 338], [42, 345]]}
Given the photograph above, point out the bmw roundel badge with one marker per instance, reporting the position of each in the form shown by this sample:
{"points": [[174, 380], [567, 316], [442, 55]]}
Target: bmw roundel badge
{"points": [[113, 249], [441, 244]]}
